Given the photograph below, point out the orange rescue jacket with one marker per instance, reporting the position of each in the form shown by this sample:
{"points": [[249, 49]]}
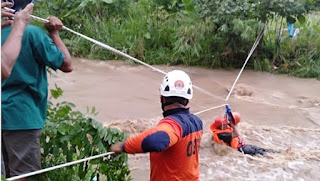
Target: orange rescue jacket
{"points": [[234, 141], [173, 145]]}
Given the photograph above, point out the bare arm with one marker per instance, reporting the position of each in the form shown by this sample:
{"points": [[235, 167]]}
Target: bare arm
{"points": [[11, 48], [54, 26]]}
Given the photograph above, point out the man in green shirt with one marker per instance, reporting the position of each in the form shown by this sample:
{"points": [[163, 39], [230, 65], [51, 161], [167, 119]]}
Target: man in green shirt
{"points": [[11, 48], [24, 95]]}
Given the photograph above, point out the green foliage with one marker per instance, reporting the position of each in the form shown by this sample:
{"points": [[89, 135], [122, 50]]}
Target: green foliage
{"points": [[213, 33], [263, 65], [170, 5], [191, 47], [56, 92], [266, 65], [3, 178], [257, 65], [300, 56], [70, 135], [97, 16]]}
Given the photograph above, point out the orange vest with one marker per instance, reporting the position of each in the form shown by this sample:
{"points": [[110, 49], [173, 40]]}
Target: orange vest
{"points": [[173, 145], [234, 141]]}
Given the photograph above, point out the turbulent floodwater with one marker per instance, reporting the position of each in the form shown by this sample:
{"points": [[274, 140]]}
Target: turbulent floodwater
{"points": [[278, 112]]}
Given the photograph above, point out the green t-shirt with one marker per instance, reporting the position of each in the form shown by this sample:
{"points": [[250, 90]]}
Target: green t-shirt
{"points": [[24, 93]]}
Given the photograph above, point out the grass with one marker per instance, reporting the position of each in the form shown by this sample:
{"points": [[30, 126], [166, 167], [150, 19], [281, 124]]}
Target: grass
{"points": [[157, 35]]}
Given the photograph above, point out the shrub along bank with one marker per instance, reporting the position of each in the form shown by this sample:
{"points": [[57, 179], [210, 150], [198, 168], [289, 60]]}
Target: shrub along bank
{"points": [[216, 34]]}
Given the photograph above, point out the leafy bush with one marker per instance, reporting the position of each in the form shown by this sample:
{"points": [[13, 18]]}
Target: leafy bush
{"points": [[300, 56], [70, 135]]}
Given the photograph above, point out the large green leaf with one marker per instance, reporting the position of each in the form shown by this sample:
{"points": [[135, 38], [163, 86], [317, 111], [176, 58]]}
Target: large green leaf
{"points": [[301, 19]]}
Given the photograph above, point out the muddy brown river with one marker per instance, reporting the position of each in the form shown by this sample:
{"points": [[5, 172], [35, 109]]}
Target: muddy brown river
{"points": [[278, 112]]}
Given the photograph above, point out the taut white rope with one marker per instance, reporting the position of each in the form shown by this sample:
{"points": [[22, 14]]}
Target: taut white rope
{"points": [[143, 63], [58, 166], [85, 159], [101, 44], [119, 53], [215, 107], [245, 63]]}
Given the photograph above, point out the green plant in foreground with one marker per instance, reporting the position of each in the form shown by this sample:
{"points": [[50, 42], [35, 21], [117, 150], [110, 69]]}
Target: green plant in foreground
{"points": [[3, 178], [70, 135]]}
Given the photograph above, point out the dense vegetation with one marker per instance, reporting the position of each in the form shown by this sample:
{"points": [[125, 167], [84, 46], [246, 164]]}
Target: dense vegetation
{"points": [[212, 33], [70, 135]]}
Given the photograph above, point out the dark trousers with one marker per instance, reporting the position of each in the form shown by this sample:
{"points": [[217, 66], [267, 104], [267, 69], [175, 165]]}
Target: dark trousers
{"points": [[253, 150]]}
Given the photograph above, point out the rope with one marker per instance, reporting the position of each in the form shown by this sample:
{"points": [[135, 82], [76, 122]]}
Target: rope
{"points": [[59, 166], [245, 63], [101, 44], [145, 64], [119, 53], [85, 159], [215, 107]]}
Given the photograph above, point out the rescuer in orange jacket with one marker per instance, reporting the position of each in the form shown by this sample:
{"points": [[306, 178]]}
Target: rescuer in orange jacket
{"points": [[174, 143], [226, 133]]}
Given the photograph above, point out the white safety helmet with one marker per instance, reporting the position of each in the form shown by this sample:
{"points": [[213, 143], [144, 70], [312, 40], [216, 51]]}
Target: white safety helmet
{"points": [[176, 83]]}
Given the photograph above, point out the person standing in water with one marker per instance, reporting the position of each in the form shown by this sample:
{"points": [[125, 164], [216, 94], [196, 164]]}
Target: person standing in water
{"points": [[174, 143]]}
